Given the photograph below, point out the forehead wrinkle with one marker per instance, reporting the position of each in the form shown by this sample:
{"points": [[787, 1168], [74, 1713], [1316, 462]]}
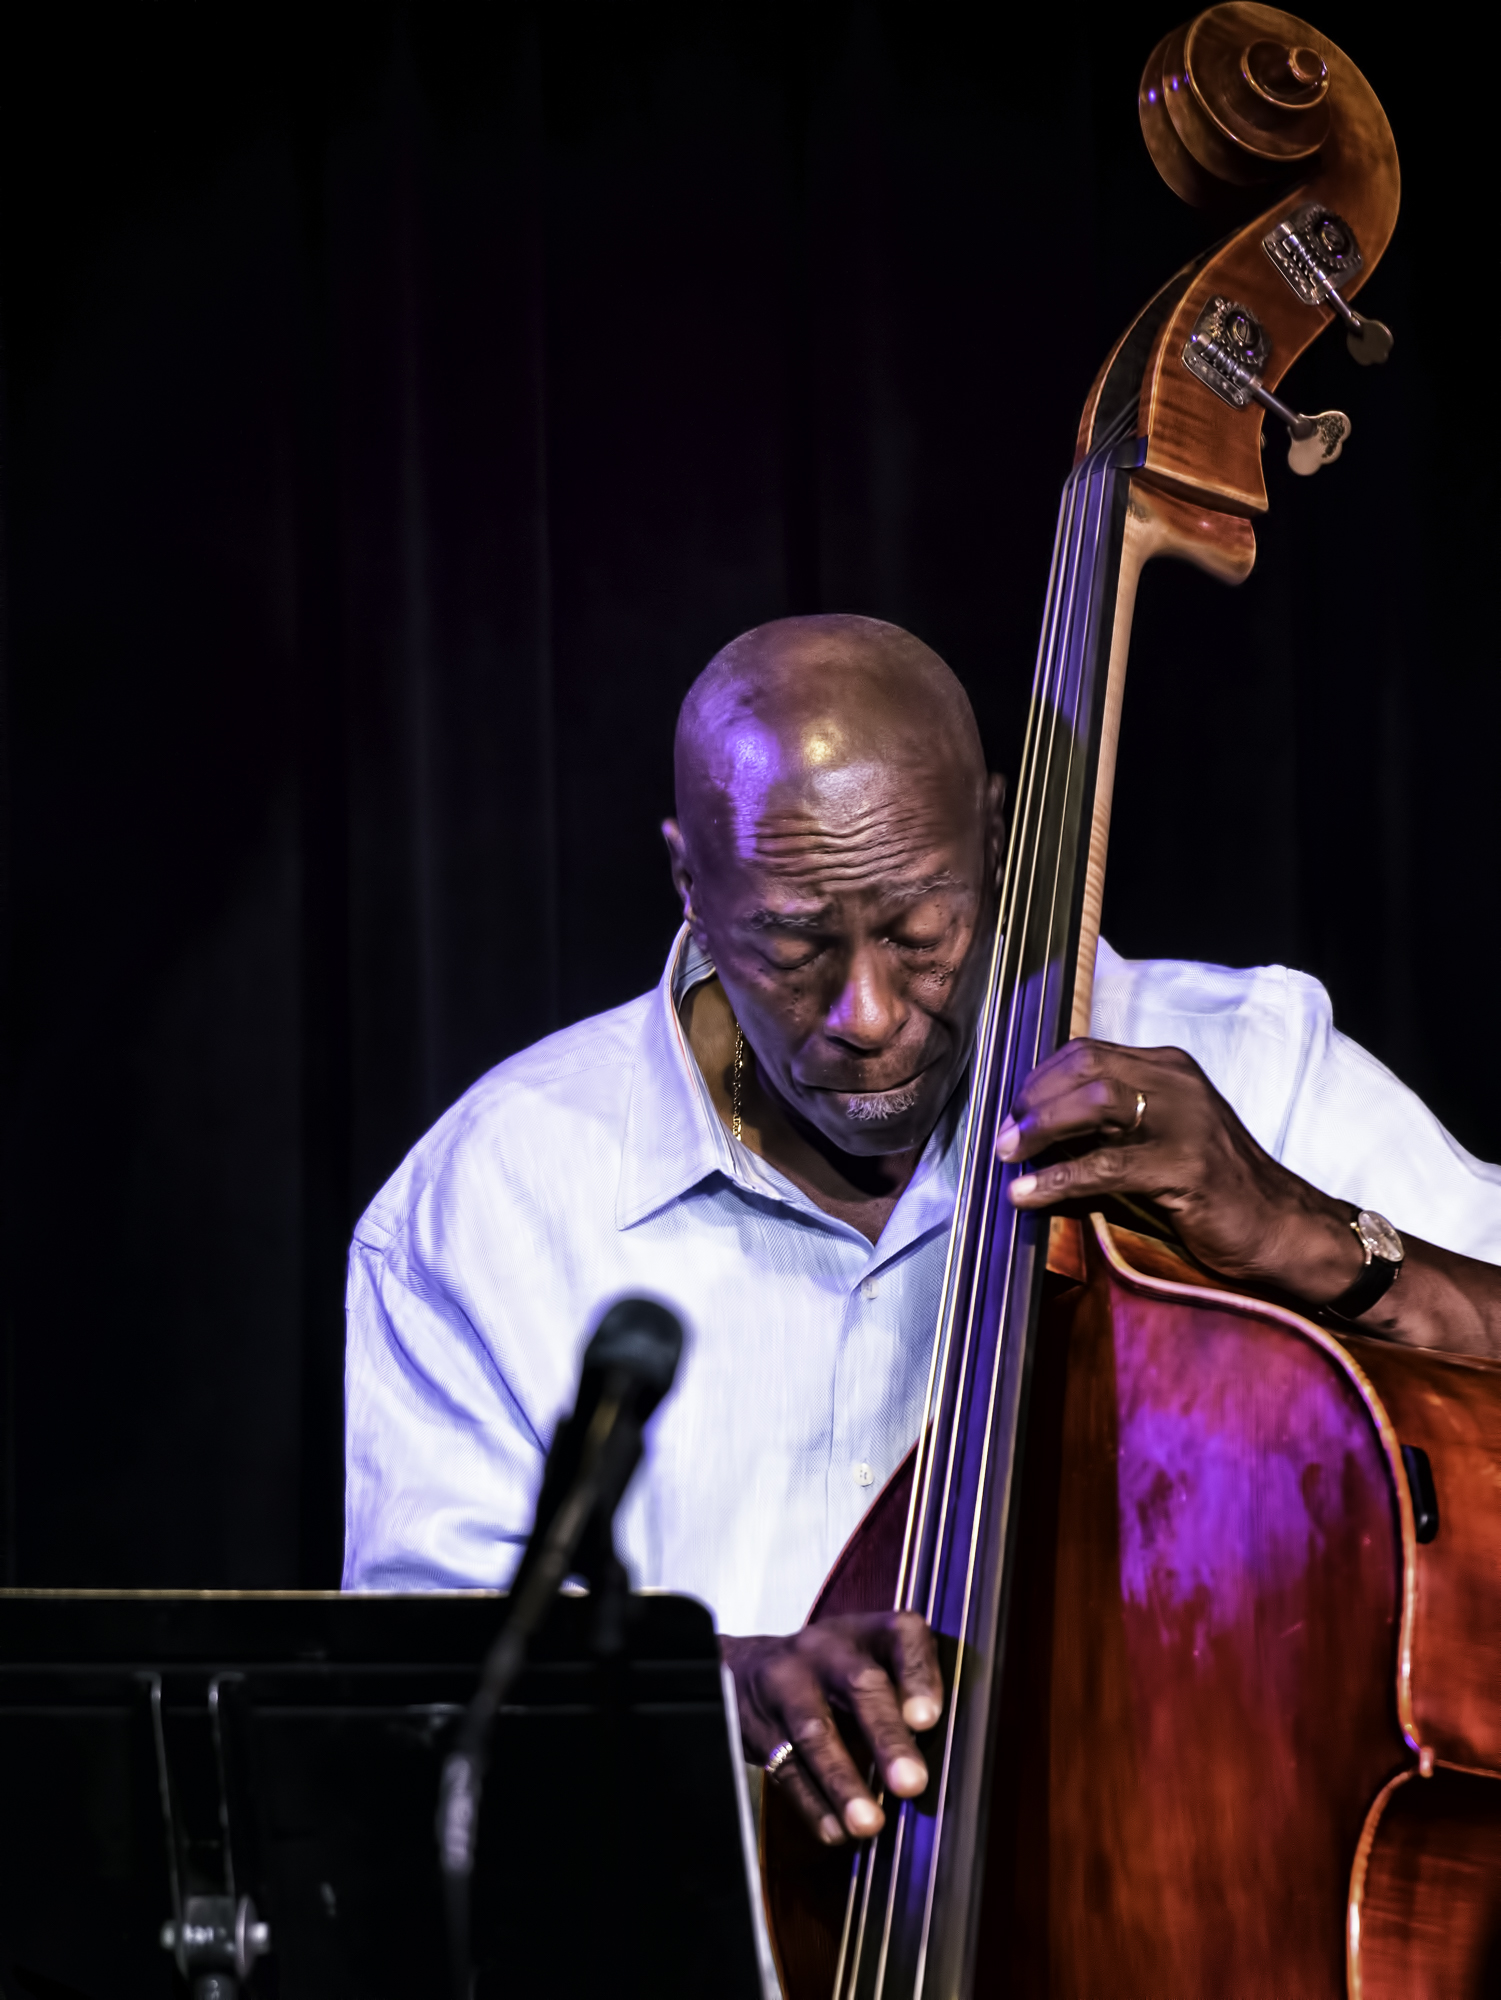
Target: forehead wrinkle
{"points": [[889, 821], [824, 878], [771, 791], [817, 919], [819, 879], [872, 848]]}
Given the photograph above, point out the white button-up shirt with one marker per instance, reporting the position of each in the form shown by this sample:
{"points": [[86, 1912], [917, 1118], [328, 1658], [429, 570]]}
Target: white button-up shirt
{"points": [[594, 1165]]}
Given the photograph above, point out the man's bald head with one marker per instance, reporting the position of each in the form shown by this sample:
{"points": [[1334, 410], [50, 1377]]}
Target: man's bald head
{"points": [[799, 700], [836, 851]]}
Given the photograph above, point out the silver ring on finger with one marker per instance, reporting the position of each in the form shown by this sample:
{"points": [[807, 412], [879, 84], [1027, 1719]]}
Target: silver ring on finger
{"points": [[778, 1758], [1141, 1112]]}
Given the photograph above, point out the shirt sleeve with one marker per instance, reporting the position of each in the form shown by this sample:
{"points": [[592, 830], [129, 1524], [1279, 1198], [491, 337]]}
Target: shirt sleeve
{"points": [[442, 1462], [1355, 1131], [1319, 1103]]}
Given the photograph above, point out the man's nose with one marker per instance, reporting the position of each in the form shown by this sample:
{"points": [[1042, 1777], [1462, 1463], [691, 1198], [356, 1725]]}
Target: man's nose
{"points": [[868, 1011]]}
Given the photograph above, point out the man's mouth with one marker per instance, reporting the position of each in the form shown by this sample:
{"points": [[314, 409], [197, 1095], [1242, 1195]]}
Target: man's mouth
{"points": [[877, 1107]]}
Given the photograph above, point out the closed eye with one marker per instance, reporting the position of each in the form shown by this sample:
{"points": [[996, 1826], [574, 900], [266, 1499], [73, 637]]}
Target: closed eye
{"points": [[789, 953]]}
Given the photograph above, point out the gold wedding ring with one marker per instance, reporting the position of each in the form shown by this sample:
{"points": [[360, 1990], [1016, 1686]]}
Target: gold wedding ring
{"points": [[1141, 1111], [777, 1759]]}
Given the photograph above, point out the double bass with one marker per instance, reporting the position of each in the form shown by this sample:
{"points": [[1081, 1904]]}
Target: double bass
{"points": [[1217, 1593]]}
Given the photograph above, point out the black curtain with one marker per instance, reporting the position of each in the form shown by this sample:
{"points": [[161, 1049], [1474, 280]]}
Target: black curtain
{"points": [[399, 408]]}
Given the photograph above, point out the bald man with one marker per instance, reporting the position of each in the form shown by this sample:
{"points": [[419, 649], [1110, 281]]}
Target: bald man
{"points": [[769, 1142]]}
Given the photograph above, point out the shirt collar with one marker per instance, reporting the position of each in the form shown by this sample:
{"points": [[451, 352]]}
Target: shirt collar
{"points": [[674, 1138]]}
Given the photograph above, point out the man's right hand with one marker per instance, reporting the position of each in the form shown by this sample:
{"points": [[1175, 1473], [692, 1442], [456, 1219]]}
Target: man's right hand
{"points": [[880, 1668]]}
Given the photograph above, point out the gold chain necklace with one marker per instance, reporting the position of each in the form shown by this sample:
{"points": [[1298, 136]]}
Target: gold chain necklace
{"points": [[737, 1084]]}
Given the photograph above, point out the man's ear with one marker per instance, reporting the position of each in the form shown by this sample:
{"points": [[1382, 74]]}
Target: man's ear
{"points": [[682, 870], [995, 828]]}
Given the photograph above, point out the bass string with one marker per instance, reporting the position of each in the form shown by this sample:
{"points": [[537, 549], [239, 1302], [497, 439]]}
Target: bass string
{"points": [[923, 1532], [1083, 528], [1037, 757], [1064, 639], [1065, 717], [960, 1237], [916, 1539], [981, 1167], [1045, 721], [1018, 920], [1056, 969]]}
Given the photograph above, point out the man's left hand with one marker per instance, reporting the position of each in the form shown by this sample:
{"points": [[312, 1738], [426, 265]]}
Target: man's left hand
{"points": [[879, 1668], [1148, 1123]]}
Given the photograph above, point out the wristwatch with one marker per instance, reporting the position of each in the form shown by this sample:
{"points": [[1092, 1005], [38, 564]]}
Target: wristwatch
{"points": [[1383, 1260]]}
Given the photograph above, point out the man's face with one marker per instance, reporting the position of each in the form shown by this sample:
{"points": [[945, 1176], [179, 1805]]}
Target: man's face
{"points": [[845, 910]]}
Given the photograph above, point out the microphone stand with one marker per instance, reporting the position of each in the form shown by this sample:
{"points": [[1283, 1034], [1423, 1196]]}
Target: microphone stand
{"points": [[642, 1340]]}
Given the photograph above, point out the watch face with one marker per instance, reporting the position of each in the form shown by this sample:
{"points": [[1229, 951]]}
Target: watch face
{"points": [[1378, 1236]]}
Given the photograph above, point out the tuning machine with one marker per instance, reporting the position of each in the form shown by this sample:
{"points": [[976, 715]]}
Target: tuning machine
{"points": [[1227, 350], [1316, 252]]}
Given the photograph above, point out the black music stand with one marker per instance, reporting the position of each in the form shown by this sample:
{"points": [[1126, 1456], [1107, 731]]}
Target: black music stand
{"points": [[286, 1749]]}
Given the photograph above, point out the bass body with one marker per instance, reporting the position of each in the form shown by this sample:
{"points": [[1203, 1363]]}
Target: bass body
{"points": [[1249, 1729]]}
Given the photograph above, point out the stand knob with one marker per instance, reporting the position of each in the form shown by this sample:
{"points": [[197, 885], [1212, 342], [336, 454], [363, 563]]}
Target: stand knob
{"points": [[216, 1942]]}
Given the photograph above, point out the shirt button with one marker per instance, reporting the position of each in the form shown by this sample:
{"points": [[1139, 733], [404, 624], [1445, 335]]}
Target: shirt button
{"points": [[863, 1474], [869, 1287]]}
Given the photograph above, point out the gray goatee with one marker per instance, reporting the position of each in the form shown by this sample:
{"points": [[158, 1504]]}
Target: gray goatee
{"points": [[878, 1107]]}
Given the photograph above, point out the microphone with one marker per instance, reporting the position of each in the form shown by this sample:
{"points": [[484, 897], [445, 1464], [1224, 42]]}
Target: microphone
{"points": [[628, 1368]]}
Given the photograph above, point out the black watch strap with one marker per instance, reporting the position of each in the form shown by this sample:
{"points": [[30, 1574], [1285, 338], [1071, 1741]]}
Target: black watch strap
{"points": [[1374, 1282]]}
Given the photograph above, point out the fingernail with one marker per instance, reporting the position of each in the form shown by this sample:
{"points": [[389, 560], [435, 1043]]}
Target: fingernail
{"points": [[830, 1832], [908, 1777], [1005, 1139], [920, 1712], [1022, 1186], [863, 1816]]}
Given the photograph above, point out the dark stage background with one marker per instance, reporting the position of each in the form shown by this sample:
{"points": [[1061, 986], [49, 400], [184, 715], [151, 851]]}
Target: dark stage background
{"points": [[399, 409]]}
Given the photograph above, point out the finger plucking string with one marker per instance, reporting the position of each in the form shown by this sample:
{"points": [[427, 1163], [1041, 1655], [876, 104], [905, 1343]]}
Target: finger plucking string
{"points": [[912, 1658], [810, 1802], [821, 1753], [1106, 1106], [873, 1701], [1108, 1170]]}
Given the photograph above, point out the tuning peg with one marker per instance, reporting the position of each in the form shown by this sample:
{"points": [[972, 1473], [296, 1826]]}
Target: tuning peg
{"points": [[1317, 441], [1316, 252], [1313, 442], [1227, 350], [1367, 339]]}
